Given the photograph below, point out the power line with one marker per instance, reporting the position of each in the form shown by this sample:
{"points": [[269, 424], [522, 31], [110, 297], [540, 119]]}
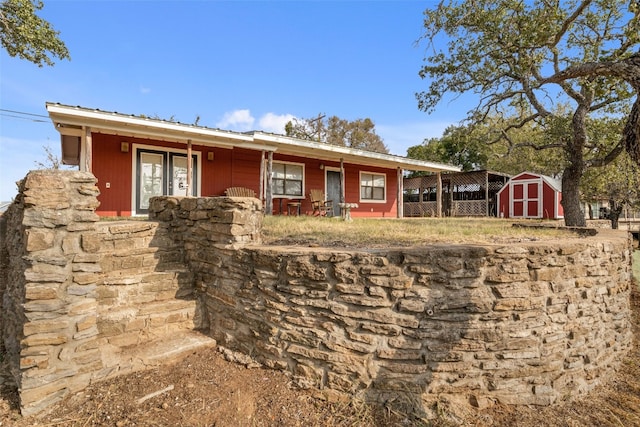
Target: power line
{"points": [[21, 115]]}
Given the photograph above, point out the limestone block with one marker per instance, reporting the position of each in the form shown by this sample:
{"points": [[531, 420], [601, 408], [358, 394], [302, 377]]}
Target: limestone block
{"points": [[90, 332], [48, 305], [44, 339], [46, 273], [39, 239], [41, 291], [86, 323], [71, 244], [45, 326]]}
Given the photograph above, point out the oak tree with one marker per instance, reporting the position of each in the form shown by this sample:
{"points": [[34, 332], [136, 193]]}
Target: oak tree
{"points": [[360, 133], [525, 59], [25, 35]]}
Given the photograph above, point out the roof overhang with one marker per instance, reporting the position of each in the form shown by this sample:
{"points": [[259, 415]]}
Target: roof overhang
{"points": [[72, 122]]}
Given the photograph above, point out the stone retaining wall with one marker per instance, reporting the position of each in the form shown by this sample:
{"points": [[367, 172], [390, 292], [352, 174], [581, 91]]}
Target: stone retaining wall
{"points": [[525, 323]]}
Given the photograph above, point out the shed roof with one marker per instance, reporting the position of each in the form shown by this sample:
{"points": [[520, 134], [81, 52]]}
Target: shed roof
{"points": [[73, 121], [555, 183]]}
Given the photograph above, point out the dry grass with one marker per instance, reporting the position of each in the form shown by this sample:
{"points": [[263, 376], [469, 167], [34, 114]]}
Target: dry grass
{"points": [[368, 232]]}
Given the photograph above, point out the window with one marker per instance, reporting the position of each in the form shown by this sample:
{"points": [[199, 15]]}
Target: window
{"points": [[372, 187], [287, 179]]}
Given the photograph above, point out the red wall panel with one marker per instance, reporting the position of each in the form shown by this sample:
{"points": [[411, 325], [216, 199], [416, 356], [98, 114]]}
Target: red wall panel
{"points": [[227, 168]]}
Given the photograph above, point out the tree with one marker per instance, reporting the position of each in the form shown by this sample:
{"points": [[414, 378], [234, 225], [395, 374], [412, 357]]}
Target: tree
{"points": [[466, 146], [525, 59], [27, 36], [457, 146], [359, 133]]}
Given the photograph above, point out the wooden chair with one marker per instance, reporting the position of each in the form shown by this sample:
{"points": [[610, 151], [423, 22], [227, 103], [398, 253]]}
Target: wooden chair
{"points": [[319, 204], [239, 192]]}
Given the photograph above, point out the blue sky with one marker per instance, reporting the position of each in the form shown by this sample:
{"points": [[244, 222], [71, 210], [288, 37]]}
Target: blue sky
{"points": [[238, 65]]}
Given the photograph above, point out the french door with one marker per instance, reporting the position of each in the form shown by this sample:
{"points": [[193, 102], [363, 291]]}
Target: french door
{"points": [[161, 173]]}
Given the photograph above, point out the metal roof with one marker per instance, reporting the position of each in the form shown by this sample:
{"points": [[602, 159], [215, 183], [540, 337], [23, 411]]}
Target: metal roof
{"points": [[71, 121]]}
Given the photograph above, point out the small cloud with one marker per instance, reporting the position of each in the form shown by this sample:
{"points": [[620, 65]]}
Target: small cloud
{"points": [[145, 90], [275, 123], [238, 120]]}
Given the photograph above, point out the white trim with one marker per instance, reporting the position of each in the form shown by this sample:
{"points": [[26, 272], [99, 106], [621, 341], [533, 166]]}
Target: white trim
{"points": [[386, 185], [123, 125], [287, 196], [327, 169], [134, 155], [525, 198]]}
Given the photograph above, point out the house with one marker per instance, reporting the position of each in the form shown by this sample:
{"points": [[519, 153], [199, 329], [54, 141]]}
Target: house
{"points": [[462, 194], [531, 195], [135, 158]]}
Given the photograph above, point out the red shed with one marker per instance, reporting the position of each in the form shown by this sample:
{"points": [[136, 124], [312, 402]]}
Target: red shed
{"points": [[531, 195]]}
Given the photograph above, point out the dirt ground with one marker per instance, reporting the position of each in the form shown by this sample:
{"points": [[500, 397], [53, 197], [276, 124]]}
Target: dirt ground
{"points": [[204, 389]]}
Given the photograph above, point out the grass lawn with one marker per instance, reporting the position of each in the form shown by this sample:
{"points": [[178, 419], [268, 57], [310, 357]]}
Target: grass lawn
{"points": [[372, 233]]}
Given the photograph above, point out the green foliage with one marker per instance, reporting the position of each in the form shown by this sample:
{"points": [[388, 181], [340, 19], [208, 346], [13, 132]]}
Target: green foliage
{"points": [[360, 133], [27, 36], [458, 145], [542, 66]]}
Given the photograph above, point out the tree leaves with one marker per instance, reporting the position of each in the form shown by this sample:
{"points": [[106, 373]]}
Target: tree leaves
{"points": [[27, 36], [528, 60], [359, 133]]}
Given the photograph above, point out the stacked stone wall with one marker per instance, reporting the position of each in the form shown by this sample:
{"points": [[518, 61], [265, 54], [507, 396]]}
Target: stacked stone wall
{"points": [[49, 302], [524, 323]]}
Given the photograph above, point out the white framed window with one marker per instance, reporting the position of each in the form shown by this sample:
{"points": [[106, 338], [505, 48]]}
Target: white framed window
{"points": [[161, 171], [373, 187], [288, 179]]}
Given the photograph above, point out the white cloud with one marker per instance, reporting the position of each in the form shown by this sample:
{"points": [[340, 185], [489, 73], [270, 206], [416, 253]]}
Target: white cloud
{"points": [[145, 90], [275, 123], [243, 120], [238, 120]]}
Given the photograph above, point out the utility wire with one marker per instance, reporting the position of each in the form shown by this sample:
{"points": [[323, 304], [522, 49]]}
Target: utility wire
{"points": [[21, 115]]}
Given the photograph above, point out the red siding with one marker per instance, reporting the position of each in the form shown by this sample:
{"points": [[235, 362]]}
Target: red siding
{"points": [[549, 196], [112, 167], [228, 168]]}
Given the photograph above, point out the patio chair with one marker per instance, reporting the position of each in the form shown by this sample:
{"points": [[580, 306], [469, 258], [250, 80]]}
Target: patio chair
{"points": [[239, 192], [319, 204]]}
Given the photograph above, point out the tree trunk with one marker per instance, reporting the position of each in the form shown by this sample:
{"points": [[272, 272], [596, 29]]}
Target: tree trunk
{"points": [[615, 209], [572, 175], [573, 213]]}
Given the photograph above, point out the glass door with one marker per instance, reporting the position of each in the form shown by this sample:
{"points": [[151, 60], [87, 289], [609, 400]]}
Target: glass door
{"points": [[150, 177], [178, 182], [160, 173]]}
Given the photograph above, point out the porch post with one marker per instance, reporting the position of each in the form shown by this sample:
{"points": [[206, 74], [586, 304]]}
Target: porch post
{"points": [[486, 192], [86, 149], [261, 180], [268, 209], [400, 186], [438, 194], [342, 192], [189, 169]]}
